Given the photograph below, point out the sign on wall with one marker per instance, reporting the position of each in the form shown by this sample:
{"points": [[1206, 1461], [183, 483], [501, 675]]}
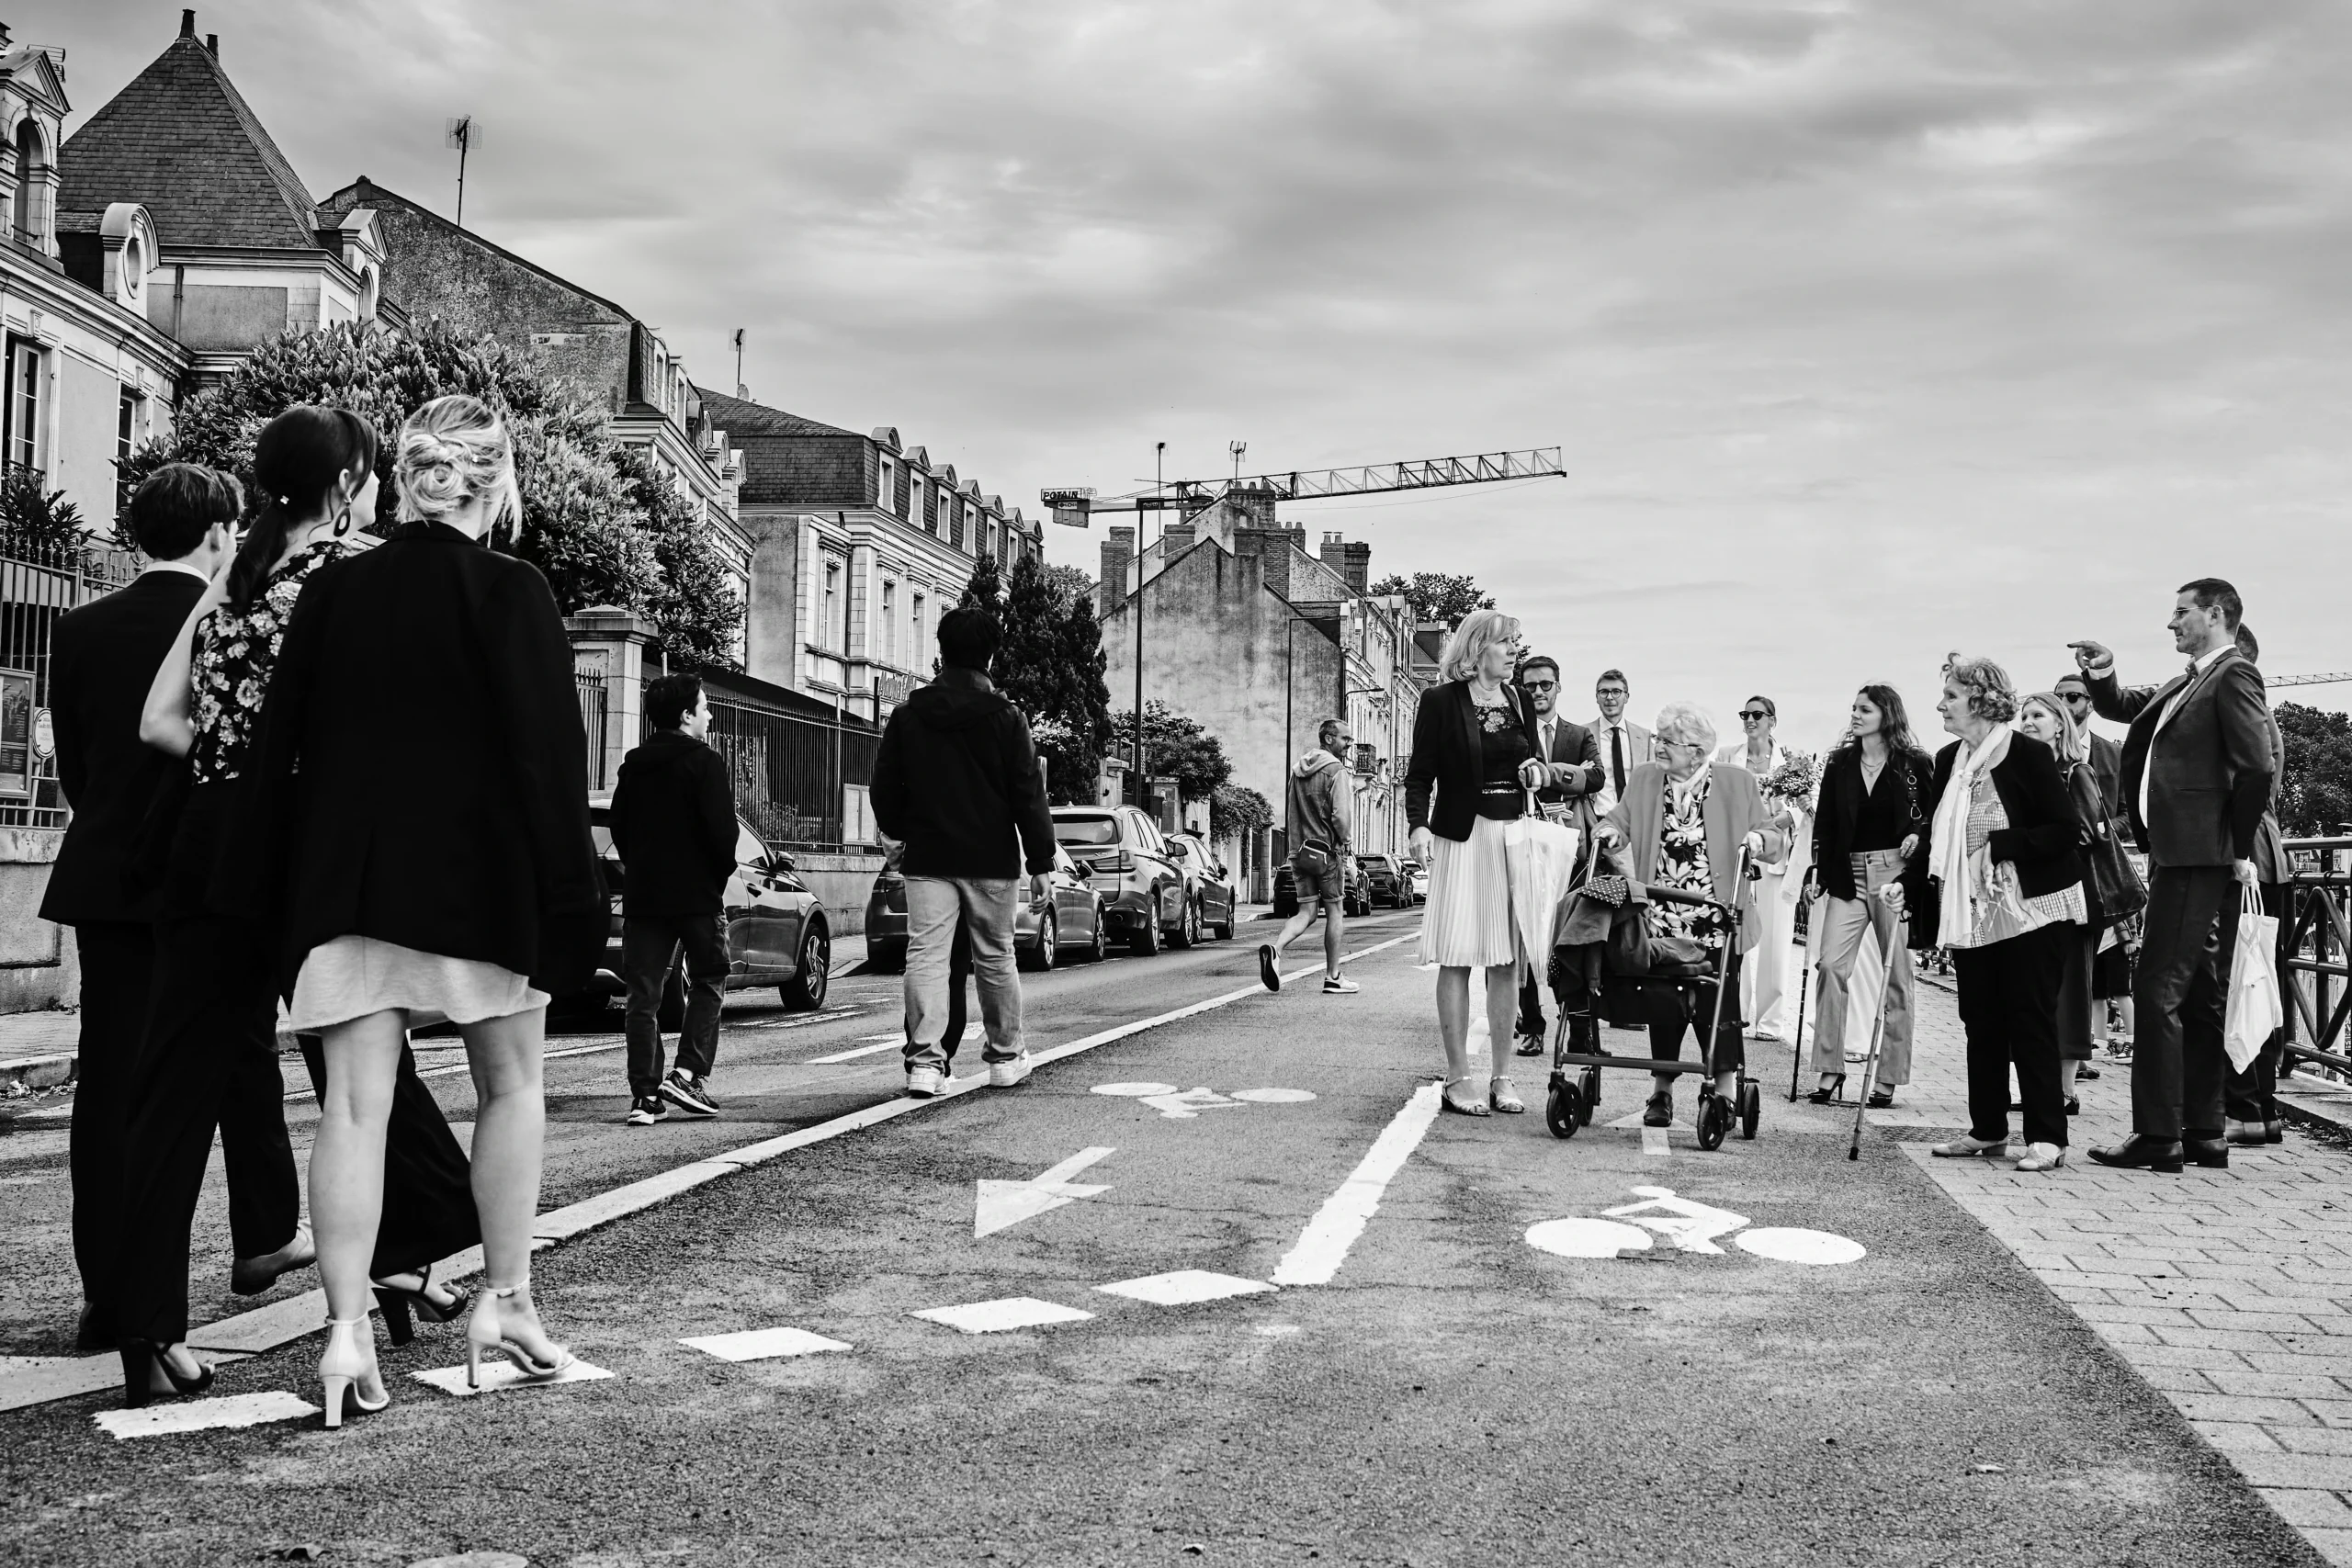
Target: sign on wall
{"points": [[16, 733]]}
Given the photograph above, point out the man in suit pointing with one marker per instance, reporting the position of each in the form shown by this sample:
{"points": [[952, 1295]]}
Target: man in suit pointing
{"points": [[1572, 754], [2197, 771]]}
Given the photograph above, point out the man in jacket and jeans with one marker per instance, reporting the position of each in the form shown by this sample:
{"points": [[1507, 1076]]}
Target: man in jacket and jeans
{"points": [[957, 782], [1318, 821], [674, 827]]}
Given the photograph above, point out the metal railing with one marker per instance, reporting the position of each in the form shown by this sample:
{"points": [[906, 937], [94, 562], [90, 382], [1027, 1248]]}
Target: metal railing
{"points": [[40, 583], [2315, 954], [594, 704]]}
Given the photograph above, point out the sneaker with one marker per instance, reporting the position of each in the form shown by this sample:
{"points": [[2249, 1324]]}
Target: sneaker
{"points": [[922, 1083], [1004, 1075], [685, 1091], [1267, 975], [645, 1110], [1340, 987]]}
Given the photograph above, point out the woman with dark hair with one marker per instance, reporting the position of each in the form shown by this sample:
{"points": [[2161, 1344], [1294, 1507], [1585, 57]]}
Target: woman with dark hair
{"points": [[215, 1005], [473, 901], [1868, 850], [2009, 900]]}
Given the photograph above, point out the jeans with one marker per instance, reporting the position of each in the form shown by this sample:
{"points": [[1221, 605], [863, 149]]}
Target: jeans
{"points": [[649, 949], [987, 907]]}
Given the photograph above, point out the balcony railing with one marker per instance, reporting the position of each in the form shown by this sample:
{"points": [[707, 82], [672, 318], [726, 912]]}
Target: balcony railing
{"points": [[2315, 954]]}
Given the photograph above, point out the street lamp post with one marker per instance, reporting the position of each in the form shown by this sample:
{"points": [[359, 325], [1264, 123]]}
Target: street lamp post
{"points": [[1159, 464]]}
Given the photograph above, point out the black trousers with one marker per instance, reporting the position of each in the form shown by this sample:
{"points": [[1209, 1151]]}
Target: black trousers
{"points": [[1575, 977], [650, 949], [1673, 1007], [1531, 1005], [2253, 1095], [118, 974], [208, 1058], [2179, 991], [2008, 1007], [429, 1211]]}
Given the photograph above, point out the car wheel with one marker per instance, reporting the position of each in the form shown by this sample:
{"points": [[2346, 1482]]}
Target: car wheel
{"points": [[672, 1014], [1041, 957], [1188, 925], [1145, 941], [804, 992], [1101, 949], [1222, 930]]}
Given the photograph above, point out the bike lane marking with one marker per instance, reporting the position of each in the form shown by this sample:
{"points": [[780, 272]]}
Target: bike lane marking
{"points": [[1323, 1245]]}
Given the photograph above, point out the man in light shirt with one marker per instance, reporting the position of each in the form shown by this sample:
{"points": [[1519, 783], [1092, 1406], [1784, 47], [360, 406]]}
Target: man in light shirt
{"points": [[1623, 744]]}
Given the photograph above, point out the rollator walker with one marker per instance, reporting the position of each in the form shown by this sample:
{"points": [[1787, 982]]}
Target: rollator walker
{"points": [[1575, 1089]]}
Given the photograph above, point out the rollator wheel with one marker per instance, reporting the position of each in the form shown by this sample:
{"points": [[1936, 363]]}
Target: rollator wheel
{"points": [[1589, 1090], [1560, 1112], [1715, 1121], [1751, 1108]]}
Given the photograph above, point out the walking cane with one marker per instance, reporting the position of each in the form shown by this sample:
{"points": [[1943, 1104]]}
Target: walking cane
{"points": [[1804, 984], [1878, 1033]]}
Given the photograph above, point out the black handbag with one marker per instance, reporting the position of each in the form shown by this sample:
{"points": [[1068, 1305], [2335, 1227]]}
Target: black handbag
{"points": [[2115, 888]]}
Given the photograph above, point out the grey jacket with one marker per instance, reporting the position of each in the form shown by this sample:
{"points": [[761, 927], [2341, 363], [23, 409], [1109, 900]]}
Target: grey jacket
{"points": [[1316, 808]]}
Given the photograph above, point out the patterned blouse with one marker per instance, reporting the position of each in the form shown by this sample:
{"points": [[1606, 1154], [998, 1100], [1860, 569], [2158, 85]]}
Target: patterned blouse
{"points": [[235, 651], [2002, 909], [1682, 863]]}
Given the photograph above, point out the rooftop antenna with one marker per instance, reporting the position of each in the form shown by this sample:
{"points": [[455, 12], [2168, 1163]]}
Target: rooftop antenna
{"points": [[1236, 448], [740, 390], [464, 133]]}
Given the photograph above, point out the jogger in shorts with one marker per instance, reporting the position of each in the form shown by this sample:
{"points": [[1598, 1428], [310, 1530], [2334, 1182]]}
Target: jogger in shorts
{"points": [[1318, 858]]}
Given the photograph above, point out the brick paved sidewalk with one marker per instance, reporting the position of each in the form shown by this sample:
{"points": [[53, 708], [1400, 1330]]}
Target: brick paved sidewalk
{"points": [[2229, 1291]]}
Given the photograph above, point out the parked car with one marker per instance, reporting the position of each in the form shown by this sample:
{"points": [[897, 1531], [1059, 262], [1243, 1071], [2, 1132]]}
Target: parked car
{"points": [[1354, 899], [1417, 878], [777, 933], [1141, 886], [885, 915], [1206, 884], [1385, 883], [1068, 922]]}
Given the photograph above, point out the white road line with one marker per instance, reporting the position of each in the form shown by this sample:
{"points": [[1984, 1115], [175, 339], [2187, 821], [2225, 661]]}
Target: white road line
{"points": [[889, 1043], [204, 1414], [1323, 1245], [1655, 1143]]}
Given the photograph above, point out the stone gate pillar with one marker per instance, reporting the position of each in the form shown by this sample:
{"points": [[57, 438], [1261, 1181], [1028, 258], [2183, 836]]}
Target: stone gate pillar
{"points": [[611, 647]]}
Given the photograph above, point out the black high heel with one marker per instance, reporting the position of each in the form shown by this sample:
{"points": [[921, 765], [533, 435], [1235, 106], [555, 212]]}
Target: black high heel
{"points": [[398, 1302], [1829, 1091], [141, 1360]]}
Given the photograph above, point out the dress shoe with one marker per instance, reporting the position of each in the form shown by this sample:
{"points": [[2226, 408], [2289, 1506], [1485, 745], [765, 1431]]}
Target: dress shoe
{"points": [[2213, 1154], [2274, 1131], [1531, 1045], [2140, 1152], [1659, 1110], [2248, 1134]]}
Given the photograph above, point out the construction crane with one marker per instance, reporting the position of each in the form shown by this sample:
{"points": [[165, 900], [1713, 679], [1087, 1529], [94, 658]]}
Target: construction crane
{"points": [[1072, 506], [2307, 679]]}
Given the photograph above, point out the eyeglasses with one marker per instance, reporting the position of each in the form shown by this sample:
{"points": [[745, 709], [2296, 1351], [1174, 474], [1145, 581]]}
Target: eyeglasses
{"points": [[1752, 715]]}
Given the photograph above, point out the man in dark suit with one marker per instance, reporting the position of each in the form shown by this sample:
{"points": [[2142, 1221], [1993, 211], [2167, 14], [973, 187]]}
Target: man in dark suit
{"points": [[103, 657], [2197, 773], [1572, 754]]}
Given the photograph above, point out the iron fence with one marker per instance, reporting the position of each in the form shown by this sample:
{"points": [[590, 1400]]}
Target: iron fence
{"points": [[2315, 954], [594, 708], [40, 582], [799, 780]]}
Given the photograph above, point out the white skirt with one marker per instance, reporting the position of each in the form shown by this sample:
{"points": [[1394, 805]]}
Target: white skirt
{"points": [[1467, 922], [352, 976]]}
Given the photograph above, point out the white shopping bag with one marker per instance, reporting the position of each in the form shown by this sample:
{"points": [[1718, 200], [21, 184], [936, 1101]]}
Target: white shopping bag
{"points": [[2254, 1011]]}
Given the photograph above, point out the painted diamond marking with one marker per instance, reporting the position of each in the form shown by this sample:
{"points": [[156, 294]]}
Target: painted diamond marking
{"points": [[763, 1343], [503, 1374], [998, 1316], [1185, 1286], [206, 1415]]}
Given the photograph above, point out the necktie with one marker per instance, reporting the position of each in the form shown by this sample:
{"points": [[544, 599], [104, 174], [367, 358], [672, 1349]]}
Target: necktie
{"points": [[1617, 756]]}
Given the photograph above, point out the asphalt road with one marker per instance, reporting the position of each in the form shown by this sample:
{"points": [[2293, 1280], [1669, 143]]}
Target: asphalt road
{"points": [[1452, 1394]]}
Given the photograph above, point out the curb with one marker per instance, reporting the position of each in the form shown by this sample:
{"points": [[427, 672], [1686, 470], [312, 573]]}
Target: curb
{"points": [[26, 1074]]}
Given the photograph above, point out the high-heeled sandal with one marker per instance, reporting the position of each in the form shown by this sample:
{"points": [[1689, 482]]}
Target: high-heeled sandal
{"points": [[1882, 1098], [484, 1331], [349, 1369], [1446, 1101], [141, 1360], [398, 1302], [1503, 1095], [1828, 1093]]}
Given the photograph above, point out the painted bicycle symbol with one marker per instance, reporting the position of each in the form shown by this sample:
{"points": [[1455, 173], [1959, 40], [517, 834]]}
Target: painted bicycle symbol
{"points": [[1690, 1226]]}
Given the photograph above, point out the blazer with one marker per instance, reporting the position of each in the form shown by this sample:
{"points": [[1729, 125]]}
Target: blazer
{"points": [[1735, 808], [1449, 755], [422, 772], [2107, 767], [102, 658], [1840, 809], [2044, 828], [1572, 744], [2210, 767]]}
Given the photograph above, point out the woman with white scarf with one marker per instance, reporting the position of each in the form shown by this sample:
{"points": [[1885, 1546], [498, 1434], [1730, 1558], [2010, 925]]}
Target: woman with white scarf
{"points": [[2010, 898]]}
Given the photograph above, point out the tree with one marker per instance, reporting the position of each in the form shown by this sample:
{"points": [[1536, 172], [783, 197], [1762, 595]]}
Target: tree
{"points": [[1070, 583], [32, 515], [592, 521], [1437, 595], [986, 588], [1177, 747], [2315, 796], [1238, 811], [1050, 665]]}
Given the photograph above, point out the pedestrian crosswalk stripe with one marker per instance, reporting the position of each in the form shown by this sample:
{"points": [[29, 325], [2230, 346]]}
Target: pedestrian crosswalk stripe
{"points": [[496, 1375], [206, 1415], [761, 1343], [1185, 1286], [997, 1316]]}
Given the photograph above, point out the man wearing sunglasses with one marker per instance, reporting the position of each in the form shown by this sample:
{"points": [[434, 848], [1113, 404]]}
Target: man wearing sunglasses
{"points": [[1572, 754]]}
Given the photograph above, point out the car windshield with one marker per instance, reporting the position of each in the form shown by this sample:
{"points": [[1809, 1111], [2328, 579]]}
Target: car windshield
{"points": [[1083, 831]]}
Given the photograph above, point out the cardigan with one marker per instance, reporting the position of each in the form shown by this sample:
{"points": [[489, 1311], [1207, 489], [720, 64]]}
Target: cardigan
{"points": [[2043, 827], [1841, 808], [1449, 757], [1735, 808], [422, 772]]}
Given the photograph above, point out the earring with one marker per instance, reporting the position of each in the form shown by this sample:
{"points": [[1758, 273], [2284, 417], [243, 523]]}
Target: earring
{"points": [[343, 524]]}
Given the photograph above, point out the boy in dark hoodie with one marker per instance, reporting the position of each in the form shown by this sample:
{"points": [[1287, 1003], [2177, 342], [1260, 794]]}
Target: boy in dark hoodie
{"points": [[674, 827], [957, 782], [1318, 822]]}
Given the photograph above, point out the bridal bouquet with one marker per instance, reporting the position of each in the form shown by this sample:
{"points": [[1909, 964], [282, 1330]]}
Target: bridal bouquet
{"points": [[1796, 781]]}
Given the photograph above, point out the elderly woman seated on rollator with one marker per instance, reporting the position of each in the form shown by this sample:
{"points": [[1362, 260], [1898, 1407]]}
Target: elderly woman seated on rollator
{"points": [[1682, 823]]}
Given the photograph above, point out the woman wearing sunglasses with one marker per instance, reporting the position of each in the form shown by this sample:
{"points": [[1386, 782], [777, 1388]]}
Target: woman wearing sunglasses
{"points": [[1768, 983]]}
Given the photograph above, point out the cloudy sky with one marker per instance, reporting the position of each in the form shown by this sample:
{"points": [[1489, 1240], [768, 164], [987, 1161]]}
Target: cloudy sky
{"points": [[1868, 331]]}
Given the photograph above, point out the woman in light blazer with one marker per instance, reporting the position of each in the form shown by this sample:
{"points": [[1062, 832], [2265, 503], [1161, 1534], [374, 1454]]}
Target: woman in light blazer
{"points": [[1768, 981]]}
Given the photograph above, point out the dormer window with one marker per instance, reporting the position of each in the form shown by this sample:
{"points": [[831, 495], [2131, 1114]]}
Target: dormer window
{"points": [[28, 212]]}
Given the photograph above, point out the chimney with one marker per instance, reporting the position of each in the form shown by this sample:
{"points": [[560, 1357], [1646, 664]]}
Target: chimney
{"points": [[187, 24], [1268, 547], [1353, 562], [1119, 553], [1175, 538], [212, 45]]}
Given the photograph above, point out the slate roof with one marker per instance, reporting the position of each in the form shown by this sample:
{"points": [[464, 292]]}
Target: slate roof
{"points": [[365, 192], [739, 418], [182, 141]]}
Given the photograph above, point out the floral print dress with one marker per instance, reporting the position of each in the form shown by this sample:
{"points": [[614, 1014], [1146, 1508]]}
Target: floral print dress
{"points": [[1682, 865], [236, 650]]}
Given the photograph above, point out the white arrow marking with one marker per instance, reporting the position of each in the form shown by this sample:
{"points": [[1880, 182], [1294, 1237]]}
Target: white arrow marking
{"points": [[1187, 1105], [1000, 1205]]}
